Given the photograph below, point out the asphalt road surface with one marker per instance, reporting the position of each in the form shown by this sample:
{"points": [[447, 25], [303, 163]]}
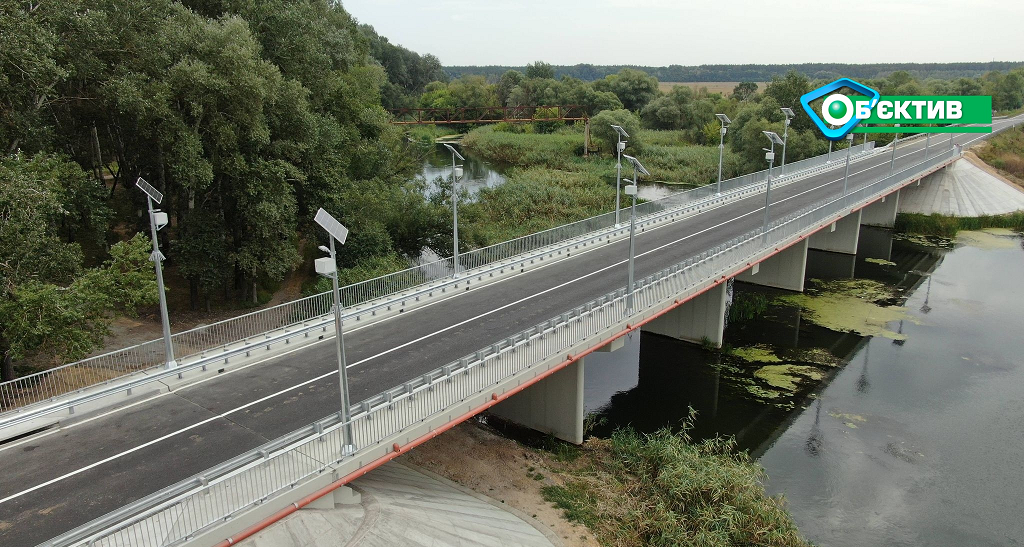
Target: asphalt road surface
{"points": [[62, 479]]}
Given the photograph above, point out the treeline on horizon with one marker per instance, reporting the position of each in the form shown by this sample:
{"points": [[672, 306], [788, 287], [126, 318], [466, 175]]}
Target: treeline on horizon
{"points": [[756, 72]]}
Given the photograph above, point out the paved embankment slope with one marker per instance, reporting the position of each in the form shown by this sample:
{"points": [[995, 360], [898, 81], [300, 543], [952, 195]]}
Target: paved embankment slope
{"points": [[964, 189], [402, 506]]}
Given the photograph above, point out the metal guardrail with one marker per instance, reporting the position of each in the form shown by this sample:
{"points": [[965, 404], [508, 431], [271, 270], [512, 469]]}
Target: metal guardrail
{"points": [[200, 503], [191, 345]]}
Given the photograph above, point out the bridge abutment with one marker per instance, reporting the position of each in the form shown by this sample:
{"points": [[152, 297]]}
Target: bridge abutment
{"points": [[841, 236], [784, 270], [882, 212], [554, 405], [698, 319]]}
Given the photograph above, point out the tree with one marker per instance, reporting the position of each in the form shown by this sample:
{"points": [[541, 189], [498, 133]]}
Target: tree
{"points": [[540, 70], [633, 87], [787, 91], [602, 131], [52, 307], [744, 91], [509, 80]]}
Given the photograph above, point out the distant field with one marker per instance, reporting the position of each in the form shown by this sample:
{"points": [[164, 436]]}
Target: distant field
{"points": [[713, 87]]}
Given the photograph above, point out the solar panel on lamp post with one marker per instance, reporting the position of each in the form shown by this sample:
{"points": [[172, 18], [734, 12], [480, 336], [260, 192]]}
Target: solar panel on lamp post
{"points": [[721, 149], [456, 175], [157, 220], [770, 156], [328, 266], [785, 134], [631, 190], [620, 145]]}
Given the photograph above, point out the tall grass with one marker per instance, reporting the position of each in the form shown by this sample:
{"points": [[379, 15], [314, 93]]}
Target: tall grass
{"points": [[1006, 152], [948, 226], [662, 489], [535, 199], [556, 150]]}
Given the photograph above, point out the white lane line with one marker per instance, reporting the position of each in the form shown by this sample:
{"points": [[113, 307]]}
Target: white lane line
{"points": [[362, 361]]}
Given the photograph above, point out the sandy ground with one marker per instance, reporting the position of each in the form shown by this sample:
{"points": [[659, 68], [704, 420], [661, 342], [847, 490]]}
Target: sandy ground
{"points": [[483, 461]]}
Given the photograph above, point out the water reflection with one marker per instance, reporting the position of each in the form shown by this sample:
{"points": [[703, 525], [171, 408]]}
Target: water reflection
{"points": [[905, 443], [477, 174]]}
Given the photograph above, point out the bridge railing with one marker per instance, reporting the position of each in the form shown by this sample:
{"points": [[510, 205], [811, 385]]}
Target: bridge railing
{"points": [[200, 503], [193, 343]]}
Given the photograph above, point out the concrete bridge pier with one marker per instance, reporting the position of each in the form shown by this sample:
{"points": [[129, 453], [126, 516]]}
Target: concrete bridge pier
{"points": [[554, 405], [784, 270], [841, 236], [882, 212], [875, 243], [700, 318]]}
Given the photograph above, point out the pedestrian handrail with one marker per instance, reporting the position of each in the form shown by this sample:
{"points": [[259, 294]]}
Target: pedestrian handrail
{"points": [[196, 505], [193, 344]]}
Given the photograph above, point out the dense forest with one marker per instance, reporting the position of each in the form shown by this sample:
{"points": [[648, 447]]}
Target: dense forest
{"points": [[248, 116], [756, 73]]}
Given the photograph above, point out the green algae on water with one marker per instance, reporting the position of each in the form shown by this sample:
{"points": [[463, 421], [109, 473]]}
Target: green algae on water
{"points": [[989, 239], [851, 305], [759, 353], [786, 377], [880, 261]]}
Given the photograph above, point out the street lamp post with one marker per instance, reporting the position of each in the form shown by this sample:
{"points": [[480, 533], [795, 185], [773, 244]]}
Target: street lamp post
{"points": [[927, 143], [721, 149], [620, 145], [638, 169], [849, 150], [829, 158], [328, 267], [157, 220], [892, 162], [770, 156], [785, 135], [455, 209]]}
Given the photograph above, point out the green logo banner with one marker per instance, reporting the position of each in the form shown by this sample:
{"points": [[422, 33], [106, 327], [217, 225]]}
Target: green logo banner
{"points": [[926, 109]]}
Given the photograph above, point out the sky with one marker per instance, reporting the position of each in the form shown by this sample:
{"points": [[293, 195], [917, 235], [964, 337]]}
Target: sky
{"points": [[665, 32]]}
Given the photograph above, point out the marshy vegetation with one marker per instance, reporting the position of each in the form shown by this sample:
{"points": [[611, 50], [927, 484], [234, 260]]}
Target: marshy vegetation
{"points": [[664, 488]]}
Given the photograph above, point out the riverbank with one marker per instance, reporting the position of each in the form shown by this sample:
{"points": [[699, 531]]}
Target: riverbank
{"points": [[627, 490], [883, 402]]}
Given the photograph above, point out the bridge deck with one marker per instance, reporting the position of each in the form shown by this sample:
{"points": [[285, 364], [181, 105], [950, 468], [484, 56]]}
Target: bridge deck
{"points": [[62, 479]]}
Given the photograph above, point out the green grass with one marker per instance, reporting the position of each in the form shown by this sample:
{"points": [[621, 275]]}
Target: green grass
{"points": [[555, 150], [747, 306], [426, 134], [662, 489], [534, 199], [948, 226]]}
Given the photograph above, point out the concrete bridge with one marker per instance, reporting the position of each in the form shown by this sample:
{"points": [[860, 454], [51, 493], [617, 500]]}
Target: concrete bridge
{"points": [[207, 454]]}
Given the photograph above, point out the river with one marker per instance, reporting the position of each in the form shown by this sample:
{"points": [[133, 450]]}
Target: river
{"points": [[479, 174], [911, 436]]}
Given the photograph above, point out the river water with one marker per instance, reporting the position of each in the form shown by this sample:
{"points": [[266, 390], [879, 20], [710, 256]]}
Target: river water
{"points": [[479, 174], [912, 436]]}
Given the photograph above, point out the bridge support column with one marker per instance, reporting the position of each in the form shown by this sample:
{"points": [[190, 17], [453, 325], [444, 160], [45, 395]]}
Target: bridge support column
{"points": [[554, 405], [693, 321], [841, 237], [784, 270], [882, 212]]}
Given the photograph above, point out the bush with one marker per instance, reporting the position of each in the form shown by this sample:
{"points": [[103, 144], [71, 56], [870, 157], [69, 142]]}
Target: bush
{"points": [[661, 489], [602, 132]]}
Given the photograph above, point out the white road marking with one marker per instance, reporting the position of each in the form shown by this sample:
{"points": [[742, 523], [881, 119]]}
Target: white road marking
{"points": [[362, 361]]}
